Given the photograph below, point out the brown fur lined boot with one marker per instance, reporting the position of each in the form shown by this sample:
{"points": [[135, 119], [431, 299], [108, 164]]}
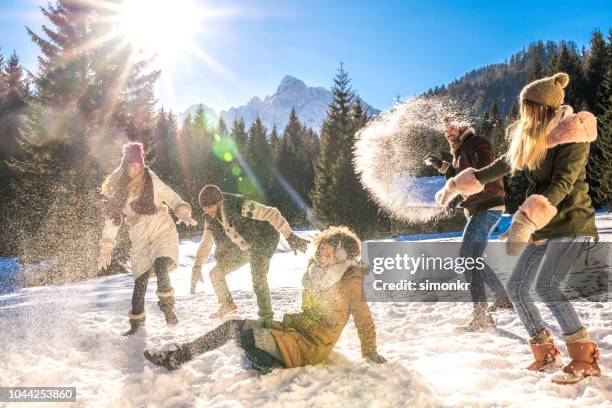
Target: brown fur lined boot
{"points": [[585, 355], [544, 352], [545, 357], [166, 305], [136, 322]]}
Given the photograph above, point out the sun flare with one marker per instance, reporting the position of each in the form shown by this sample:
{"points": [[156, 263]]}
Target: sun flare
{"points": [[162, 27]]}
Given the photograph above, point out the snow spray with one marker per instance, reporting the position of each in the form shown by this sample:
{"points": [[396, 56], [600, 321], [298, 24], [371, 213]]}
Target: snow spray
{"points": [[389, 154]]}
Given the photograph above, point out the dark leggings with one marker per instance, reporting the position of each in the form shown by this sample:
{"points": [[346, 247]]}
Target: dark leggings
{"points": [[243, 338], [161, 267]]}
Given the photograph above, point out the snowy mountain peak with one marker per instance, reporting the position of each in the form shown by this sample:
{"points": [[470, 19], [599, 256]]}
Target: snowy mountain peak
{"points": [[310, 103], [289, 83]]}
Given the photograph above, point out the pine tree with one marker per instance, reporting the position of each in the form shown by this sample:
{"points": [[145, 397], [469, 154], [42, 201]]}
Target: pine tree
{"points": [[569, 61], [596, 63], [222, 127], [240, 135], [274, 144], [90, 95], [536, 71], [295, 173], [164, 139], [338, 198], [327, 204], [260, 180], [498, 134], [14, 93], [599, 169]]}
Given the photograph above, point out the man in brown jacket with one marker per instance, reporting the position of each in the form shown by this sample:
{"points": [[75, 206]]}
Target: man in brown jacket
{"points": [[332, 293], [483, 212]]}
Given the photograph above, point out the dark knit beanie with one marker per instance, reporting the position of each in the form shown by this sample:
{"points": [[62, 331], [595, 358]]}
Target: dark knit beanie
{"points": [[133, 153], [210, 195]]}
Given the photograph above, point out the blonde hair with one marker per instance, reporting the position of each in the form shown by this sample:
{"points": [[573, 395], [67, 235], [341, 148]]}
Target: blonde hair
{"points": [[113, 181], [527, 135]]}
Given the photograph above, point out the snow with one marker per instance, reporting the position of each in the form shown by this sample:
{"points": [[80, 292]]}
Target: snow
{"points": [[70, 336]]}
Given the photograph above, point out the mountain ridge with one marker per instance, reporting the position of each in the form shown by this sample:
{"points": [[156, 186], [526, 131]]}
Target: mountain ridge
{"points": [[310, 104]]}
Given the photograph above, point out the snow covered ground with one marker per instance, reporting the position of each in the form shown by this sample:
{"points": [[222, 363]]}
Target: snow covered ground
{"points": [[70, 336]]}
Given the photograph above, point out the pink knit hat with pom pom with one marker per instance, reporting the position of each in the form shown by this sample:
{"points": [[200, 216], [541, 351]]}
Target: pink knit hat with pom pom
{"points": [[133, 152]]}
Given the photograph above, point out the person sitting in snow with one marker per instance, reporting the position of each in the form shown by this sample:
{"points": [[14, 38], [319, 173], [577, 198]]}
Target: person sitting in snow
{"points": [[242, 231], [332, 293], [483, 212], [136, 196]]}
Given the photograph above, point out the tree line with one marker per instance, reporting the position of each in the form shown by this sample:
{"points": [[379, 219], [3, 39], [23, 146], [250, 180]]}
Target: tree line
{"points": [[62, 127], [494, 89]]}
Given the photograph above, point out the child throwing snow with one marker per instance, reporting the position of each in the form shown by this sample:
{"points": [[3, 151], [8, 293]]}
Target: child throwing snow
{"points": [[332, 293], [136, 196], [550, 229]]}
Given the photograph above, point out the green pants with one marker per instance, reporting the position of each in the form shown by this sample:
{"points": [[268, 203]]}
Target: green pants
{"points": [[260, 263]]}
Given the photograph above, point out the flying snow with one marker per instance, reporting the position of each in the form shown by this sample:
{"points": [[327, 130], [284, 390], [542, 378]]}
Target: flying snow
{"points": [[389, 154]]}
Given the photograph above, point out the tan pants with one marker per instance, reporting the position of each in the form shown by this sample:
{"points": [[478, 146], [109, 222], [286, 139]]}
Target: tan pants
{"points": [[259, 274]]}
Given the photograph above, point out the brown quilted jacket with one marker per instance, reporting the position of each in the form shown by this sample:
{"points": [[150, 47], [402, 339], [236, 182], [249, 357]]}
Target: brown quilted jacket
{"points": [[476, 151]]}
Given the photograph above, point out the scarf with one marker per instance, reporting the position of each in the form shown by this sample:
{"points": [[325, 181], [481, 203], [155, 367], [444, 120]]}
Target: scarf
{"points": [[112, 208]]}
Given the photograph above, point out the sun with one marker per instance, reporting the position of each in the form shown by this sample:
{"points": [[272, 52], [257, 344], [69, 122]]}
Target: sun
{"points": [[165, 28]]}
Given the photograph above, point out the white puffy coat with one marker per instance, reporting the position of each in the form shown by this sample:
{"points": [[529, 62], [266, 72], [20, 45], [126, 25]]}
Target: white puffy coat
{"points": [[152, 236]]}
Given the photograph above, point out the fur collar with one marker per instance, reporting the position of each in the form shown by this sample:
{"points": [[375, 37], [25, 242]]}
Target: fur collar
{"points": [[458, 142], [319, 278], [572, 127]]}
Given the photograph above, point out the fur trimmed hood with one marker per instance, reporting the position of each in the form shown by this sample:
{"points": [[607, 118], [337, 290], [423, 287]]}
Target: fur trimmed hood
{"points": [[572, 127]]}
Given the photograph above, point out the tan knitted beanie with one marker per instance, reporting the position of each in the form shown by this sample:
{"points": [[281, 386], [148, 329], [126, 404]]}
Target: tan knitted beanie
{"points": [[546, 91]]}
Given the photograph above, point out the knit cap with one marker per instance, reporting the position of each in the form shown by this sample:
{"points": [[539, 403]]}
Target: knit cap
{"points": [[133, 153], [546, 91], [210, 195]]}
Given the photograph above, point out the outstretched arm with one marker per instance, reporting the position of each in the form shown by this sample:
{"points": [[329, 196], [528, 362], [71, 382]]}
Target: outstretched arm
{"points": [[260, 212], [107, 243], [362, 316], [204, 249], [181, 209], [471, 181]]}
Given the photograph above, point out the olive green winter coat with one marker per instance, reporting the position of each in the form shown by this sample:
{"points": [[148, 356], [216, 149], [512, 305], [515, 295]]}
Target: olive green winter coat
{"points": [[560, 179]]}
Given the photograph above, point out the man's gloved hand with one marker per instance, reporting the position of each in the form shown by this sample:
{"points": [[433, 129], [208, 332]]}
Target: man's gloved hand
{"points": [[436, 162], [455, 202], [196, 276], [183, 213], [297, 244], [374, 357]]}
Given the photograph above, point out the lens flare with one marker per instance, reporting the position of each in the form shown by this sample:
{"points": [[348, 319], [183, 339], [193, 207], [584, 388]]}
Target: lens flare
{"points": [[162, 27]]}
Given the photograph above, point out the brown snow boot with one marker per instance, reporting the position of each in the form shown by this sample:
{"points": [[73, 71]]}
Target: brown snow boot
{"points": [[584, 354], [166, 305], [136, 322], [224, 310], [544, 352]]}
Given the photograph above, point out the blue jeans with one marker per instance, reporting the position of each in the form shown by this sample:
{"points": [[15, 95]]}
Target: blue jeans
{"points": [[546, 265], [475, 239]]}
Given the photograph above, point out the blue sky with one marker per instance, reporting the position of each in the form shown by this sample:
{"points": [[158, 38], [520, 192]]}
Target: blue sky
{"points": [[388, 47]]}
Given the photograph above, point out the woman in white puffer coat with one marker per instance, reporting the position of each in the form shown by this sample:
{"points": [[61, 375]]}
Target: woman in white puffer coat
{"points": [[135, 195]]}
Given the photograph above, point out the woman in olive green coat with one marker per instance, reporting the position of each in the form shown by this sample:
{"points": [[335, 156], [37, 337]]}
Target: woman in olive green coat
{"points": [[554, 224]]}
